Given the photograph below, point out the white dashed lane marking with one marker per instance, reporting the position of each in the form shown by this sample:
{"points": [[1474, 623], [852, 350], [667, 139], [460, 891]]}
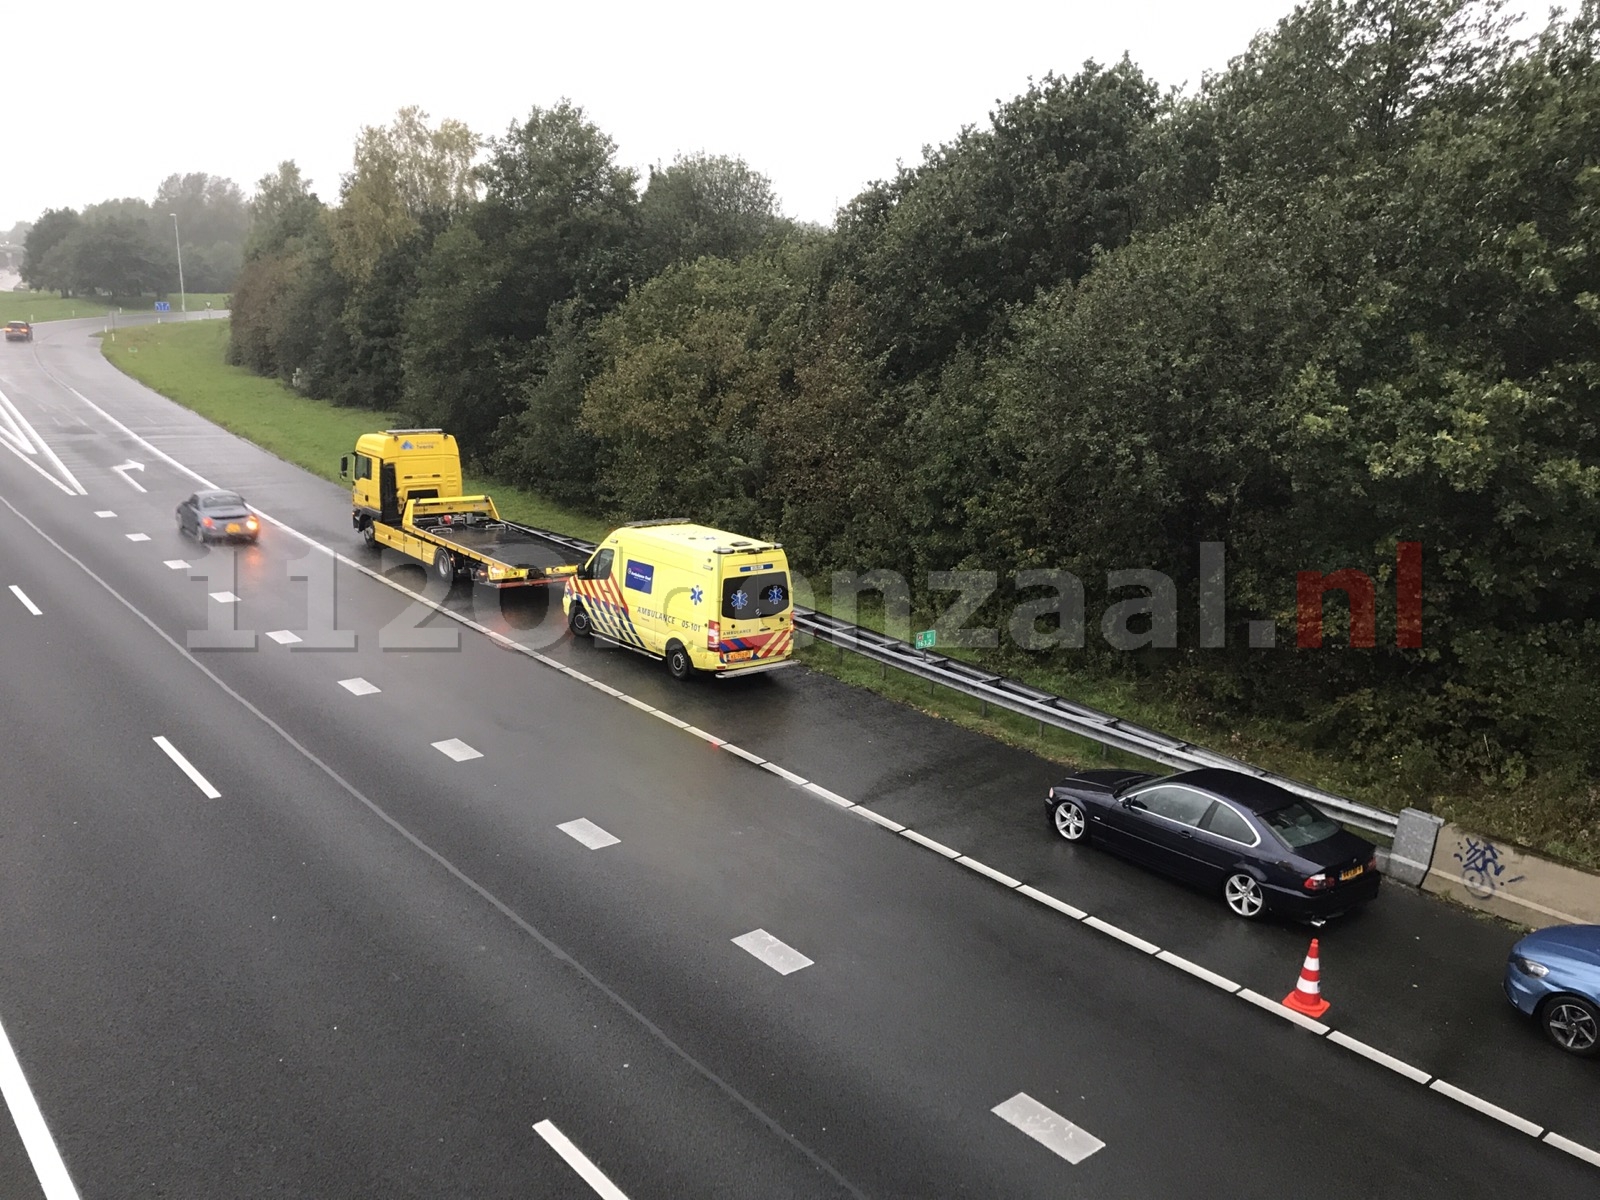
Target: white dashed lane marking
{"points": [[457, 749], [1050, 1129], [138, 537], [184, 765], [359, 686], [579, 1162], [590, 834], [783, 959], [105, 512], [283, 637], [175, 564], [224, 597], [26, 603]]}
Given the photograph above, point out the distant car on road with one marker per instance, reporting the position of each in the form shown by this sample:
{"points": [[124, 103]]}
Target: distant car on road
{"points": [[218, 514], [1554, 976], [19, 331], [1257, 845]]}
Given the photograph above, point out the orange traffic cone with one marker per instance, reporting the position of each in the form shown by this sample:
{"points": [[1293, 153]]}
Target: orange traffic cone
{"points": [[1307, 995]]}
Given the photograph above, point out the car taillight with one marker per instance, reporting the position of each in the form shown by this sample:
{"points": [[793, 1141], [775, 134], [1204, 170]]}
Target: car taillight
{"points": [[1372, 863], [206, 521], [1317, 883], [713, 635]]}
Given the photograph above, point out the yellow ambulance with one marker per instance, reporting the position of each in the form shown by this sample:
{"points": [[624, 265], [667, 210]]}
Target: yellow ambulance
{"points": [[702, 599]]}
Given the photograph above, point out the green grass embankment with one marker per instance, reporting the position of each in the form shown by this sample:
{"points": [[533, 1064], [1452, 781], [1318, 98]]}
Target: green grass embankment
{"points": [[185, 362], [48, 306]]}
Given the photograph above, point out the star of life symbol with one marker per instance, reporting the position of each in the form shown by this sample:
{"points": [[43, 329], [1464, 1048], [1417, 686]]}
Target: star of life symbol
{"points": [[696, 595]]}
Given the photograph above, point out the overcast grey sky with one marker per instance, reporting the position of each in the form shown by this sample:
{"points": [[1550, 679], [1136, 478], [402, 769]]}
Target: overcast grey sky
{"points": [[106, 99]]}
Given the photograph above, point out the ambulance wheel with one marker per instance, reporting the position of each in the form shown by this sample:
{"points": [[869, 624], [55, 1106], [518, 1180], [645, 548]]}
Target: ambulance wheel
{"points": [[578, 621], [444, 567], [678, 661]]}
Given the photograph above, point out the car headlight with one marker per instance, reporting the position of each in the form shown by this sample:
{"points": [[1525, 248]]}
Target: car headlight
{"points": [[1528, 967]]}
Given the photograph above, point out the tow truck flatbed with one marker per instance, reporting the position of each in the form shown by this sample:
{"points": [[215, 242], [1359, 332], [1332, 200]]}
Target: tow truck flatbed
{"points": [[465, 537]]}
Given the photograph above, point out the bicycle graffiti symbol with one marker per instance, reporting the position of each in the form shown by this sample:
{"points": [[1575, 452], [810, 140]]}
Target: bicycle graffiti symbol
{"points": [[1481, 868]]}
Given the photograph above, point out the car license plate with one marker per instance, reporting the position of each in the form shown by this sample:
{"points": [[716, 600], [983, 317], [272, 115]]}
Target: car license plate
{"points": [[233, 527], [1351, 873], [740, 655]]}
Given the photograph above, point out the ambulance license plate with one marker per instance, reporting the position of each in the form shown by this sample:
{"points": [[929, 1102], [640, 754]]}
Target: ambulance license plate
{"points": [[1351, 873], [741, 655]]}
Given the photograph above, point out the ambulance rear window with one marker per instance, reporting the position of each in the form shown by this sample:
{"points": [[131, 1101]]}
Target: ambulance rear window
{"points": [[751, 597]]}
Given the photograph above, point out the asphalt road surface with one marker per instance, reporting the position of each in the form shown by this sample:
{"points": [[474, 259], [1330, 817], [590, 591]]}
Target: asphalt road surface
{"points": [[309, 890]]}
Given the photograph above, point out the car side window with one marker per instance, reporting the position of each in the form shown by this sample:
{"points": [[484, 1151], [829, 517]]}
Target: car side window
{"points": [[1176, 804], [1225, 822], [191, 501]]}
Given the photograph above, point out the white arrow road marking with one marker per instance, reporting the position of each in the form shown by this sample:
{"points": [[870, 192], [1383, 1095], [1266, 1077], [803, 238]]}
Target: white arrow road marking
{"points": [[783, 959], [359, 687], [1048, 1128], [184, 765], [457, 749], [587, 1171], [590, 834], [23, 440], [42, 1152], [26, 603], [123, 470]]}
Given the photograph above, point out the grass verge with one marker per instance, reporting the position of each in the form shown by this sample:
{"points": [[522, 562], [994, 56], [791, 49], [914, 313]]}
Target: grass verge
{"points": [[50, 306], [185, 362]]}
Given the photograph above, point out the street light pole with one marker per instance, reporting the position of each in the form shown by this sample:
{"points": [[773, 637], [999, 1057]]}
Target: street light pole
{"points": [[183, 303]]}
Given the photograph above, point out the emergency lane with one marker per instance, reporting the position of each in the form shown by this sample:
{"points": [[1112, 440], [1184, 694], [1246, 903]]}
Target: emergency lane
{"points": [[516, 692]]}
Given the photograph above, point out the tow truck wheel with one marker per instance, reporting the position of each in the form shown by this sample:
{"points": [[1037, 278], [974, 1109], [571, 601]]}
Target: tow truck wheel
{"points": [[369, 534], [444, 567], [678, 661], [578, 621]]}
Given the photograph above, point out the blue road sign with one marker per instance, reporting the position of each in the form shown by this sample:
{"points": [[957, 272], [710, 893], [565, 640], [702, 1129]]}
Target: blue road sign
{"points": [[163, 306]]}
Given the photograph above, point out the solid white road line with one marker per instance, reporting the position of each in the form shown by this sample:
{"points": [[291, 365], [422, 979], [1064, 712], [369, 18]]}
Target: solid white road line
{"points": [[23, 440], [816, 789], [457, 749], [1199, 972], [283, 637], [893, 826], [175, 564], [1122, 935], [224, 597], [26, 603], [936, 847], [1576, 1149], [41, 1147], [698, 732], [184, 765], [669, 718], [587, 1171], [781, 773], [1050, 1129], [590, 834], [1288, 1014], [997, 876], [783, 959], [1487, 1109], [138, 537], [105, 512], [1378, 1056], [359, 687], [739, 752]]}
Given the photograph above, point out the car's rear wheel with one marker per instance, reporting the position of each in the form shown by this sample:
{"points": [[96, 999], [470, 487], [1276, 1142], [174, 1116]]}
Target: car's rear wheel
{"points": [[1573, 1024], [1243, 895], [678, 661], [578, 621], [1069, 820]]}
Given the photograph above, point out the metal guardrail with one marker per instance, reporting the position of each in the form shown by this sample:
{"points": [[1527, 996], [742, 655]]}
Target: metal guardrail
{"points": [[1044, 707]]}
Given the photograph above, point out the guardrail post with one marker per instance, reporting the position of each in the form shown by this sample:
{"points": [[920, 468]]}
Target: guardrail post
{"points": [[1414, 837]]}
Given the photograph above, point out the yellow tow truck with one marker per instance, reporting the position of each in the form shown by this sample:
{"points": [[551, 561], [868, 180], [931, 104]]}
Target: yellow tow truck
{"points": [[405, 491]]}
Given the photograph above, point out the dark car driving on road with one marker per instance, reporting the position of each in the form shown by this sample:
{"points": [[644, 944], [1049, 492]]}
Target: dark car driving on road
{"points": [[19, 331], [1257, 845], [218, 514]]}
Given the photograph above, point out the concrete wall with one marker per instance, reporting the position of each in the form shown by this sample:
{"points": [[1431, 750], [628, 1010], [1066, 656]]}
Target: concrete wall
{"points": [[1502, 879]]}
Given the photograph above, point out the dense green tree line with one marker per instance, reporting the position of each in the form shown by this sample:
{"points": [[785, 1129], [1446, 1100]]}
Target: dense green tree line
{"points": [[1344, 295], [130, 247]]}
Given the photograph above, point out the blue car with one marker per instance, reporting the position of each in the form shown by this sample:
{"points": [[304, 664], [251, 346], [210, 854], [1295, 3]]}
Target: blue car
{"points": [[1554, 976]]}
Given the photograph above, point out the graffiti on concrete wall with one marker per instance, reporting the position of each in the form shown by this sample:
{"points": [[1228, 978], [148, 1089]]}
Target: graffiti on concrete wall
{"points": [[1482, 870]]}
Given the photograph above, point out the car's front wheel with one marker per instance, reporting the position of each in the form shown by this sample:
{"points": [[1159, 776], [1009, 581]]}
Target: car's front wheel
{"points": [[1069, 820], [1573, 1024], [1243, 895]]}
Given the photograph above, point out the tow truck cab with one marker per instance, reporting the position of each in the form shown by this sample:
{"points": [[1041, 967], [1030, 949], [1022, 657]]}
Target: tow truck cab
{"points": [[397, 465]]}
